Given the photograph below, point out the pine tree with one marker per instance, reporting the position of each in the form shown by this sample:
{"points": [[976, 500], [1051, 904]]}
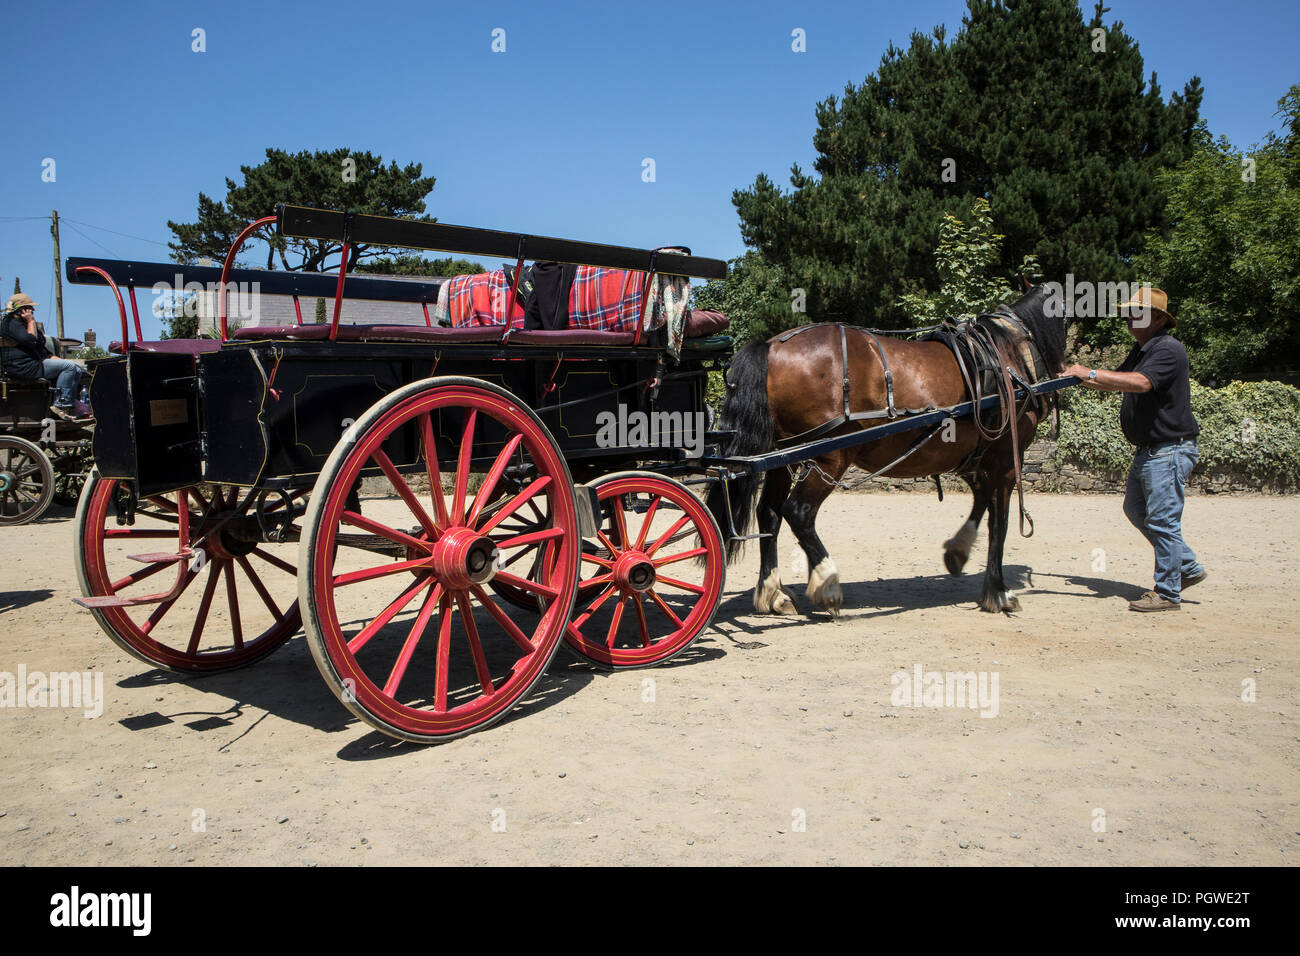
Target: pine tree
{"points": [[1045, 116]]}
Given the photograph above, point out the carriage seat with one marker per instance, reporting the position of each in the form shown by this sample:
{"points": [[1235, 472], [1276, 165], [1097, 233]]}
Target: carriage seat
{"points": [[700, 324], [372, 333], [172, 346], [465, 334]]}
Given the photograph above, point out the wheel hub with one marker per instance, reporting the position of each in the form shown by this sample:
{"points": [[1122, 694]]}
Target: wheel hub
{"points": [[6, 481], [633, 571], [233, 537], [462, 558]]}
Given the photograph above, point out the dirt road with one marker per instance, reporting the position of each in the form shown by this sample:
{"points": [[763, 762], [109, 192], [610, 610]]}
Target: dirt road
{"points": [[1108, 738]]}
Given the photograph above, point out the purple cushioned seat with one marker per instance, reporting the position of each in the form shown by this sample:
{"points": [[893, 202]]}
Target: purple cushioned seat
{"points": [[553, 337], [375, 333], [173, 346]]}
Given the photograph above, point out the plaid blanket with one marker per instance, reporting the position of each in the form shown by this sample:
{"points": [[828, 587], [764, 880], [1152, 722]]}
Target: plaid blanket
{"points": [[481, 300], [608, 300]]}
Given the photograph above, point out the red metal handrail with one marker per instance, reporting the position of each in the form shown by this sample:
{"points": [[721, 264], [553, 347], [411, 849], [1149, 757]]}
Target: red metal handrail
{"points": [[230, 261], [121, 306], [135, 312], [338, 292]]}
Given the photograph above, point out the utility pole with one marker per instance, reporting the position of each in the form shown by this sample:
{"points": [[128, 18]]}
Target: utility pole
{"points": [[58, 270]]}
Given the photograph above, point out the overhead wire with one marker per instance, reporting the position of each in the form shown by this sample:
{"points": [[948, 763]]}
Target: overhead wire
{"points": [[124, 235], [88, 239]]}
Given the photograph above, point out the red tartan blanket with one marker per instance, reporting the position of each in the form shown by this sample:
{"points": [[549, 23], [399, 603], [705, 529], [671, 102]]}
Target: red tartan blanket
{"points": [[481, 300], [606, 300]]}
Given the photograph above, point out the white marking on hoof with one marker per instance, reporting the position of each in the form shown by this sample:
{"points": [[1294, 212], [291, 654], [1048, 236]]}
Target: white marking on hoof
{"points": [[824, 586], [771, 598], [1009, 601]]}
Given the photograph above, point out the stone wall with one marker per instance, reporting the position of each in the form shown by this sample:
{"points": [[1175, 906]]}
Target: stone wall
{"points": [[1043, 471]]}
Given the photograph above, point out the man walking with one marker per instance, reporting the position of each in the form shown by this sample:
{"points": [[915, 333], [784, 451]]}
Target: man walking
{"points": [[1156, 416]]}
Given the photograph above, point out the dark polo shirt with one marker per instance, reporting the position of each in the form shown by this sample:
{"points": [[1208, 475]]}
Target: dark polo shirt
{"points": [[1164, 413]]}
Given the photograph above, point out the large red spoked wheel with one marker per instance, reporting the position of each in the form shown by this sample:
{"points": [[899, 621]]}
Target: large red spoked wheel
{"points": [[401, 615], [196, 596], [653, 584], [26, 480]]}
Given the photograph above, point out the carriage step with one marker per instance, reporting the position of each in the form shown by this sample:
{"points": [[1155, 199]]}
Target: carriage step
{"points": [[162, 557], [112, 600]]}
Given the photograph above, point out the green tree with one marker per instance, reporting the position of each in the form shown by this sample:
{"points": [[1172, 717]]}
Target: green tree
{"points": [[1023, 108], [1231, 259], [331, 179], [178, 313], [756, 297], [967, 262], [414, 265]]}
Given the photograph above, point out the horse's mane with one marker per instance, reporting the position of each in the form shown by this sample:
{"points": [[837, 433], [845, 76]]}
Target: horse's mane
{"points": [[1047, 331]]}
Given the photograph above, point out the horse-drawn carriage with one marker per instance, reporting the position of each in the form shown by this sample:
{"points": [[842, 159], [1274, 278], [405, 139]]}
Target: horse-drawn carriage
{"points": [[43, 459], [440, 507]]}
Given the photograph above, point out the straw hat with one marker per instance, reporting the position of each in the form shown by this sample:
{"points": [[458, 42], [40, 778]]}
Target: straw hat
{"points": [[19, 300], [1144, 298]]}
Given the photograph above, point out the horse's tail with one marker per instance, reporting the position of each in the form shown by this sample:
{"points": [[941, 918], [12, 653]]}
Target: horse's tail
{"points": [[745, 410]]}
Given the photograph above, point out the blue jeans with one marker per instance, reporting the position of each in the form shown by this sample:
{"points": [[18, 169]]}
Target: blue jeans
{"points": [[67, 377], [1153, 502]]}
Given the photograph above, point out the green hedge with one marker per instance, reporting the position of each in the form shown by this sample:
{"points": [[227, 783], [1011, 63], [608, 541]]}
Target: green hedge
{"points": [[1248, 429]]}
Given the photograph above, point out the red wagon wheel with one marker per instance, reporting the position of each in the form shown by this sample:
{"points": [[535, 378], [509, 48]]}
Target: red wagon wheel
{"points": [[657, 577], [415, 643], [196, 596]]}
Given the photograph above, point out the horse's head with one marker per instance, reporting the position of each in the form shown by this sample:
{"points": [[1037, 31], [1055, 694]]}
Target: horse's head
{"points": [[1045, 320]]}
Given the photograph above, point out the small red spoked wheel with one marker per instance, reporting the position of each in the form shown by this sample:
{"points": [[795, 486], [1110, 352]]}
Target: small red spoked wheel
{"points": [[657, 578], [215, 597], [439, 656]]}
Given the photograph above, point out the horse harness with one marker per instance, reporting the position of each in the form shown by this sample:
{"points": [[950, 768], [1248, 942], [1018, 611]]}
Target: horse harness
{"points": [[984, 369]]}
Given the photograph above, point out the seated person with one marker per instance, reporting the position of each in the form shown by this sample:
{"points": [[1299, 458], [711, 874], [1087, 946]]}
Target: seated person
{"points": [[29, 358]]}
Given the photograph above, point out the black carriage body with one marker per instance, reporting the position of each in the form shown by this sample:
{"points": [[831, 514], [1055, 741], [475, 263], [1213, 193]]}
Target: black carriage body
{"points": [[147, 424], [269, 413]]}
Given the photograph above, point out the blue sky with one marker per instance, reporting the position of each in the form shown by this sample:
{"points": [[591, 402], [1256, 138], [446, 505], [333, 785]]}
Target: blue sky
{"points": [[547, 137]]}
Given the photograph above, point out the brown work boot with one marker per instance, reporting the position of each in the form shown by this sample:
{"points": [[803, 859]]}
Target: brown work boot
{"points": [[1195, 579], [1151, 601], [63, 412]]}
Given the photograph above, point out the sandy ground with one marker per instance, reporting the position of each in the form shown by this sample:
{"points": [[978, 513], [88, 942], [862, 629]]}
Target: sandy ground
{"points": [[1118, 738]]}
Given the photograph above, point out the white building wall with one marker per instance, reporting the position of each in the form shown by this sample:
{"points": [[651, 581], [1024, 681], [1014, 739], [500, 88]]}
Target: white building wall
{"points": [[247, 307]]}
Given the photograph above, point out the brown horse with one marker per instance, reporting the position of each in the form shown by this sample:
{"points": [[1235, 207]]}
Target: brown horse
{"points": [[781, 390]]}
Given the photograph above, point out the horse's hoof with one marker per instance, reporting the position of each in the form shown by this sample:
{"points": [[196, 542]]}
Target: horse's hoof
{"points": [[824, 587], [991, 604], [771, 597], [1010, 603], [954, 561]]}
